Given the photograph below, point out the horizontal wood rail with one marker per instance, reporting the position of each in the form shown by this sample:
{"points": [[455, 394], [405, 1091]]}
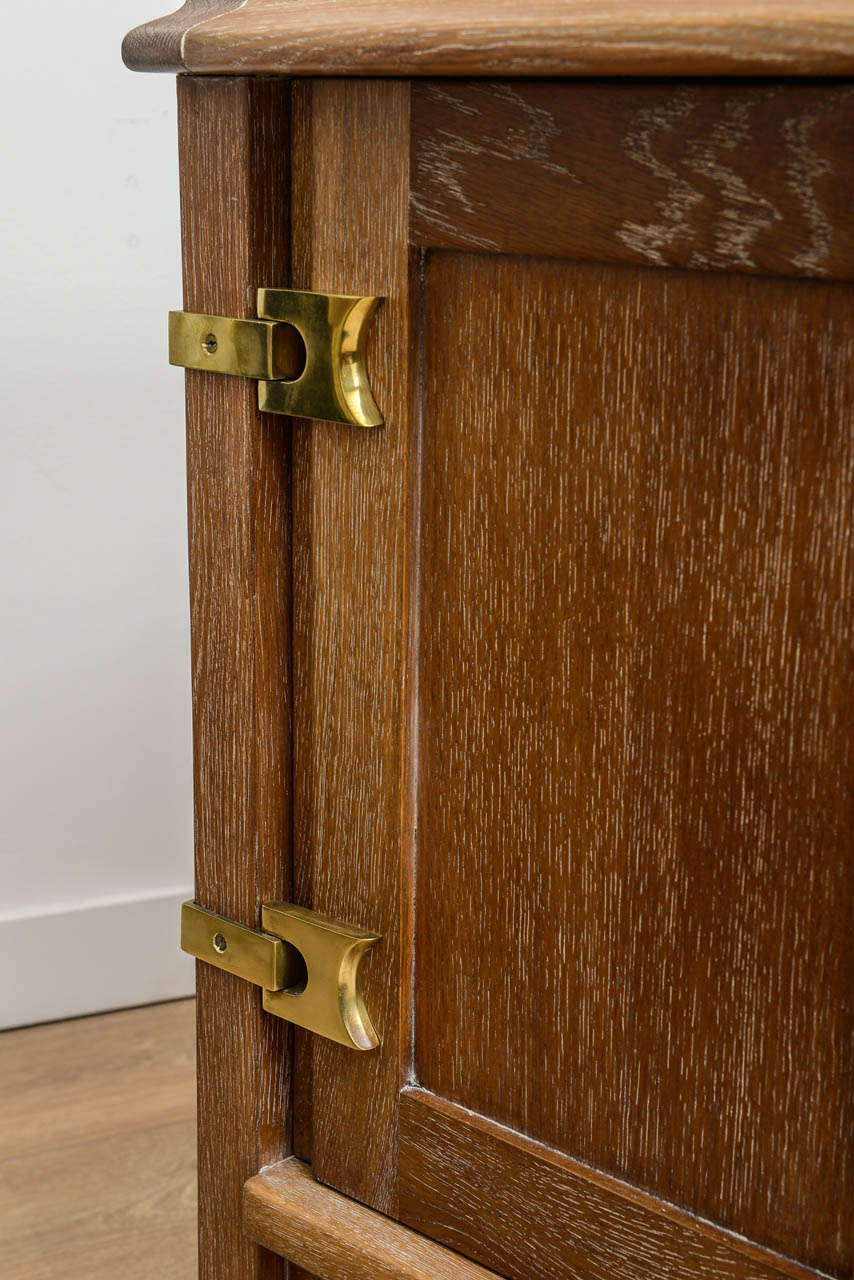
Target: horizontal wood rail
{"points": [[336, 1238], [461, 1174], [597, 186]]}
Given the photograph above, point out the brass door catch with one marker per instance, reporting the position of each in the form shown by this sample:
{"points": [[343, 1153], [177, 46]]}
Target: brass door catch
{"points": [[332, 382], [306, 965]]}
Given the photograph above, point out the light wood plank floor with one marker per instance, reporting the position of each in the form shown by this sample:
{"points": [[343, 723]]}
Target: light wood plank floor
{"points": [[98, 1148]]}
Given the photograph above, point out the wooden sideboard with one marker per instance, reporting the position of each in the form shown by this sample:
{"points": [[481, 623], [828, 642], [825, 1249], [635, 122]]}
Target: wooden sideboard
{"points": [[547, 680]]}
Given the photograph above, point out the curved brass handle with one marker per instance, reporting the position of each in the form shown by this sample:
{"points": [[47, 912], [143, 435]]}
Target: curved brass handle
{"points": [[329, 1000], [334, 384]]}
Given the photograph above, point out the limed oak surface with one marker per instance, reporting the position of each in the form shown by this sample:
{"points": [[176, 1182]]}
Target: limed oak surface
{"points": [[635, 779], [287, 1210], [714, 176], [534, 1214], [352, 837], [503, 37], [158, 45], [234, 139], [575, 621]]}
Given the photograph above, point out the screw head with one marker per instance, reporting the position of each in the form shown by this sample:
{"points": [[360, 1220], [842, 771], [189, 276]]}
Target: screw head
{"points": [[209, 344], [220, 943]]}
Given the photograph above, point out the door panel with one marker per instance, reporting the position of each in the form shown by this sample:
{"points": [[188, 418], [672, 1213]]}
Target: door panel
{"points": [[572, 698], [634, 767]]}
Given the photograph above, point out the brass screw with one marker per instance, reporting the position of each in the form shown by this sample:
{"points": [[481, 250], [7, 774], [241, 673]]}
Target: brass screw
{"points": [[209, 344], [220, 943]]}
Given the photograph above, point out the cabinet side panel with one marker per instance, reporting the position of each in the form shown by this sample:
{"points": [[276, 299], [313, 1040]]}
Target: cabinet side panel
{"points": [[234, 199]]}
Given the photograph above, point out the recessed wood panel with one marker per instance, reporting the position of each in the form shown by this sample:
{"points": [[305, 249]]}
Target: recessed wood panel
{"points": [[635, 722], [732, 176]]}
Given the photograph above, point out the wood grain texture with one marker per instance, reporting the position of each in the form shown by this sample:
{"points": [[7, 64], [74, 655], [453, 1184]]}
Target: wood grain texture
{"points": [[97, 1147], [286, 1210], [350, 562], [635, 746], [754, 178], [234, 137], [535, 1215], [619, 581], [158, 45], [538, 38]]}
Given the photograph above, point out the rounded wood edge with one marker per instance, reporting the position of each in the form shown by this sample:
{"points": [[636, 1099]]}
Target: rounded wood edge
{"points": [[159, 45], [336, 1238], [496, 37], [540, 38]]}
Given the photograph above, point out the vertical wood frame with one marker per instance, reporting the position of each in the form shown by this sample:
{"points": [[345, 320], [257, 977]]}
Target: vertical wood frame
{"points": [[234, 147], [352, 533]]}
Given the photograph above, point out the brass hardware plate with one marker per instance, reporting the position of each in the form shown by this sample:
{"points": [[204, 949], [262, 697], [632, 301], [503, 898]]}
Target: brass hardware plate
{"points": [[218, 344], [330, 1003], [306, 964], [333, 384], [248, 953]]}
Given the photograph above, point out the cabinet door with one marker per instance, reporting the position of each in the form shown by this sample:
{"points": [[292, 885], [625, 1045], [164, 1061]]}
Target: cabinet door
{"points": [[572, 669], [547, 680]]}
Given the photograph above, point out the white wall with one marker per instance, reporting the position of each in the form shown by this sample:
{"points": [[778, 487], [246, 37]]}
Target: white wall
{"points": [[95, 765]]}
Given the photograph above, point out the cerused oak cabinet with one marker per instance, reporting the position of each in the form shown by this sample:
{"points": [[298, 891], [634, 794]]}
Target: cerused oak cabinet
{"points": [[547, 681]]}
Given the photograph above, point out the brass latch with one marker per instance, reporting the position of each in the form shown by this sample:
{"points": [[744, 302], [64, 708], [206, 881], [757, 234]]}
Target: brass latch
{"points": [[329, 381], [306, 965]]}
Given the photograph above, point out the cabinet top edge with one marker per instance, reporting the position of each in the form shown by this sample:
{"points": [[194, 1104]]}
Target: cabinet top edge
{"points": [[498, 37]]}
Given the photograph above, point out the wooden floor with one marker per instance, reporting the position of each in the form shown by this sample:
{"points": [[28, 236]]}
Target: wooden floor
{"points": [[97, 1147]]}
